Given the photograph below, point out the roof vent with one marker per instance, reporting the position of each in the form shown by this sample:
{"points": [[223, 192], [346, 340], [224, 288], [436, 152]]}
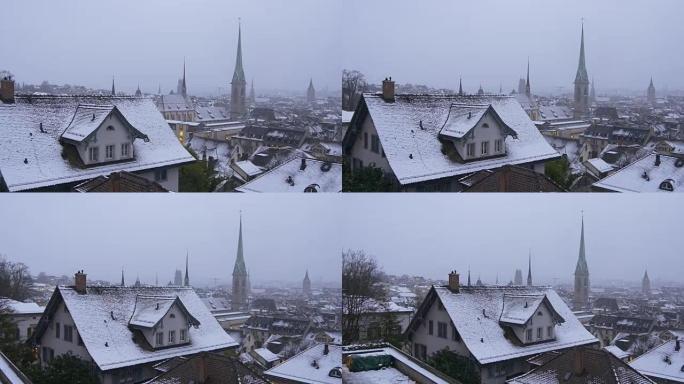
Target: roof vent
{"points": [[420, 124], [25, 160], [312, 188], [645, 176], [410, 155], [157, 308], [667, 185], [657, 160], [303, 165], [290, 181], [93, 117], [106, 344], [679, 162], [677, 345], [111, 313], [325, 167], [470, 114], [335, 372], [41, 127]]}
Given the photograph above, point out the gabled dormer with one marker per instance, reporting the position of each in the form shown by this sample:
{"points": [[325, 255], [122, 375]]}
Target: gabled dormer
{"points": [[531, 318], [163, 321], [474, 132], [100, 134]]}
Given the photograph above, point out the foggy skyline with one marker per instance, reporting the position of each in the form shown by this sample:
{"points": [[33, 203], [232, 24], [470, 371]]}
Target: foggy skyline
{"points": [[431, 234], [84, 43], [488, 42], [283, 236]]}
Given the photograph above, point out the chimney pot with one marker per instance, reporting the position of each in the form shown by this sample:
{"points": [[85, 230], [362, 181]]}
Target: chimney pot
{"points": [[326, 349], [388, 90], [454, 283], [677, 345], [303, 166], [80, 282], [657, 160]]}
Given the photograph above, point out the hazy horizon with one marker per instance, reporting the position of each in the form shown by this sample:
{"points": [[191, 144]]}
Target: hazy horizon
{"points": [[86, 43], [489, 42], [491, 234], [283, 235]]}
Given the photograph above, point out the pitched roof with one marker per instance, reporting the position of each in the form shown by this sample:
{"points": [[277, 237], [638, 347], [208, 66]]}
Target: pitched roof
{"points": [[219, 369], [31, 158], [462, 118], [644, 176], [662, 362], [149, 310], [517, 308], [102, 316], [583, 366], [510, 178], [299, 367], [323, 176], [119, 182], [475, 313], [415, 154]]}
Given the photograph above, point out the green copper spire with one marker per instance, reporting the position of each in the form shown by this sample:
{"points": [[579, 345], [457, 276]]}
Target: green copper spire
{"points": [[581, 268], [240, 269], [581, 76], [239, 74]]}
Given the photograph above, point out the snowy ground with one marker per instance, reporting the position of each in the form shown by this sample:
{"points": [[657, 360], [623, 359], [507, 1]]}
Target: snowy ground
{"points": [[381, 376]]}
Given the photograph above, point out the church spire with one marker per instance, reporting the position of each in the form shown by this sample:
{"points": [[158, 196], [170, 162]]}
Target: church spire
{"points": [[239, 73], [581, 75], [581, 267], [113, 89], [529, 269], [469, 277], [187, 277], [123, 284], [184, 87], [460, 86], [240, 269], [528, 91]]}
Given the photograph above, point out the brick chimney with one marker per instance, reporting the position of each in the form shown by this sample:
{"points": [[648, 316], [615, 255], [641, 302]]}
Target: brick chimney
{"points": [[454, 283], [388, 89], [7, 89], [202, 371], [80, 280]]}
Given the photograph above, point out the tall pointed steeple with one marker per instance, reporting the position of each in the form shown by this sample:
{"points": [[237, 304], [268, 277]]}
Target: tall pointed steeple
{"points": [[581, 297], [252, 95], [238, 86], [123, 284], [460, 86], [528, 91], [469, 277], [186, 282], [113, 88], [651, 93], [184, 87], [529, 269], [240, 277], [310, 92], [646, 284], [592, 93], [581, 83], [138, 92]]}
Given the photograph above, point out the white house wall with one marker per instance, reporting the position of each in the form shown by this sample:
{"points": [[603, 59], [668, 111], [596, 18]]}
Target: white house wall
{"points": [[103, 137]]}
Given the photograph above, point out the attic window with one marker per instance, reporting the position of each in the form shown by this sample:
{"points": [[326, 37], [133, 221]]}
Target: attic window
{"points": [[485, 125], [540, 313], [667, 185], [110, 128], [173, 316]]}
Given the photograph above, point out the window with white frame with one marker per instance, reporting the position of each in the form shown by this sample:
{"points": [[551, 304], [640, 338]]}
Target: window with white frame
{"points": [[125, 149], [528, 335], [68, 333], [183, 335], [498, 146], [160, 338], [484, 147], [470, 149], [441, 330], [172, 337], [160, 175], [109, 152], [549, 331], [94, 154], [540, 332]]}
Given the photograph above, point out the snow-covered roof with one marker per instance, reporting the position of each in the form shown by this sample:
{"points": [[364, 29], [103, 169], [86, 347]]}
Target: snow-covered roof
{"points": [[616, 351], [475, 312], [86, 120], [174, 102], [517, 309], [392, 375], [299, 367], [149, 310], [9, 373], [662, 362], [644, 176], [600, 165], [347, 116], [267, 355], [17, 307], [415, 154], [101, 317], [31, 158], [322, 176], [463, 118], [249, 168]]}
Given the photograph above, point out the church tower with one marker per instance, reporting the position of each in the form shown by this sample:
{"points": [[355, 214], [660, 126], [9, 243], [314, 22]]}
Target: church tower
{"points": [[240, 278], [252, 95], [581, 84], [651, 93], [592, 93], [646, 284], [306, 284], [238, 86], [184, 86], [581, 298], [113, 89], [310, 92]]}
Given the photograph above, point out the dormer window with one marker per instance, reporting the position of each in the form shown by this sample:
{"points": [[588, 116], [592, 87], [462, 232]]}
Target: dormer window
{"points": [[667, 185], [160, 338], [109, 152], [94, 154]]}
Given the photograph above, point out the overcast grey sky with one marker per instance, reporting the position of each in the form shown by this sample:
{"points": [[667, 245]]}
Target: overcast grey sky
{"points": [[431, 234], [84, 42], [433, 42], [146, 233]]}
